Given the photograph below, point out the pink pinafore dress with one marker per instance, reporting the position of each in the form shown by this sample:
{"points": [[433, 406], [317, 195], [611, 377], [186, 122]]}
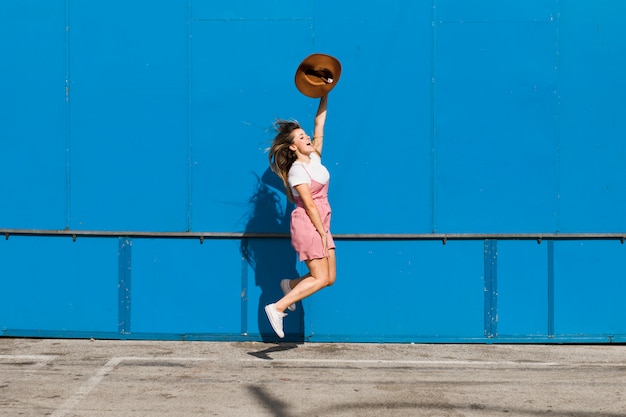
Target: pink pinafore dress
{"points": [[304, 237]]}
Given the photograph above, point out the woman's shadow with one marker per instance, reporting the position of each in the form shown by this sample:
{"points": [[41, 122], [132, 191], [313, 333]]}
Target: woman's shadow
{"points": [[272, 259]]}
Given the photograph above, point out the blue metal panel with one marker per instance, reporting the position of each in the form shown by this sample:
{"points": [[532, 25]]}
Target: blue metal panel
{"points": [[32, 121], [379, 120], [183, 286], [59, 286], [522, 289], [129, 111], [234, 105], [450, 117], [592, 65], [496, 132], [589, 288], [401, 291]]}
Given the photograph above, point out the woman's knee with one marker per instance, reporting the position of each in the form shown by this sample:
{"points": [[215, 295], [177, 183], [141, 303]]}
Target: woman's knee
{"points": [[331, 280], [328, 278], [324, 281], [322, 272]]}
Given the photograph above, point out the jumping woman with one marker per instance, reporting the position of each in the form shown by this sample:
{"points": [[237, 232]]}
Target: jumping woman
{"points": [[296, 159]]}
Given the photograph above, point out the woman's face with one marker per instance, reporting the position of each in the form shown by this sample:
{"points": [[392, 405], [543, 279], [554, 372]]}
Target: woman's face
{"points": [[301, 142]]}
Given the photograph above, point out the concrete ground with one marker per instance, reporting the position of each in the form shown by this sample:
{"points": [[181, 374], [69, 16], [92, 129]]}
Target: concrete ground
{"points": [[67, 378]]}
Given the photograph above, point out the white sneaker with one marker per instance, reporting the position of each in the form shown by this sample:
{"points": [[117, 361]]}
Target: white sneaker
{"points": [[284, 285], [276, 319]]}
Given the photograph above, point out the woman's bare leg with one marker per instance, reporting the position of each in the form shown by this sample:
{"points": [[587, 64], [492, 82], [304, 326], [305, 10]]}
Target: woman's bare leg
{"points": [[332, 266], [296, 281], [322, 274]]}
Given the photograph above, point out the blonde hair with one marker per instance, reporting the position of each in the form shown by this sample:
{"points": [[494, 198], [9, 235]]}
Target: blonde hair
{"points": [[280, 157]]}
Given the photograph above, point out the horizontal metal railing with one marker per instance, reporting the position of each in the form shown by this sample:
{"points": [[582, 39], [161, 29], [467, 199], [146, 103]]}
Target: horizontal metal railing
{"points": [[201, 236]]}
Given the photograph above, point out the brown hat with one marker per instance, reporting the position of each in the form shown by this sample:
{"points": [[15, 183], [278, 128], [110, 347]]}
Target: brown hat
{"points": [[317, 75]]}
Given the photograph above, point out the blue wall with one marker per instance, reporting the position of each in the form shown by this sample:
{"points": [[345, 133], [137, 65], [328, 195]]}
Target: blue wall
{"points": [[124, 119]]}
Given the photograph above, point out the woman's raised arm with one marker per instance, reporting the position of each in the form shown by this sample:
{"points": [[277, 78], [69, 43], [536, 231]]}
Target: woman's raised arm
{"points": [[320, 119]]}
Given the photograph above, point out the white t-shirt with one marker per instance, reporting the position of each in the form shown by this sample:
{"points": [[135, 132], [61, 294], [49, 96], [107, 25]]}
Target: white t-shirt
{"points": [[299, 175]]}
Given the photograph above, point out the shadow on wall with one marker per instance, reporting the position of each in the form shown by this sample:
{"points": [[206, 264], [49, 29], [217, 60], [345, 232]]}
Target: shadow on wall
{"points": [[272, 259]]}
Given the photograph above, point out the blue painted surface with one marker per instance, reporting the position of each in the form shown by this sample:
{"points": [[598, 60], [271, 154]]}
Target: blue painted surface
{"points": [[523, 288], [401, 291], [184, 286], [494, 117], [589, 277], [59, 286], [32, 114], [128, 100], [593, 180]]}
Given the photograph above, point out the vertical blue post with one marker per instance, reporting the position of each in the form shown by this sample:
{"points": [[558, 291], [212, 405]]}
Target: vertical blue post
{"points": [[244, 292], [551, 288], [124, 285], [491, 288]]}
